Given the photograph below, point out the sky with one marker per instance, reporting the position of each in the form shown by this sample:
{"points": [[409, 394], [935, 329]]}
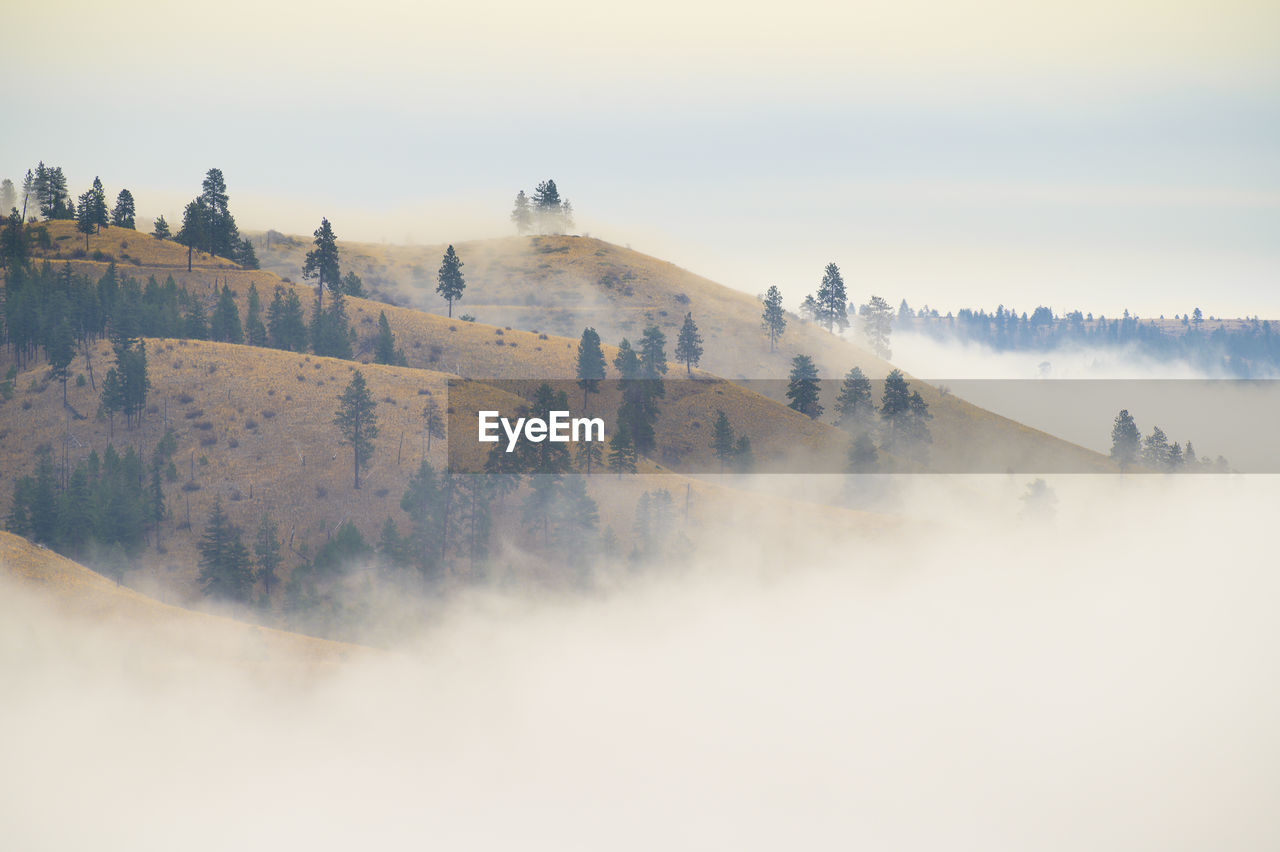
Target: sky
{"points": [[964, 154]]}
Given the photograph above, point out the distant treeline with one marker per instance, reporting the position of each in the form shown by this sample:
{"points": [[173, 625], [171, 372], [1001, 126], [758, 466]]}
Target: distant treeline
{"points": [[1248, 351]]}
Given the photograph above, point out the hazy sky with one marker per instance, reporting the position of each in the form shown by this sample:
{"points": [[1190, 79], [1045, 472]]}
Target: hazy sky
{"points": [[1075, 154]]}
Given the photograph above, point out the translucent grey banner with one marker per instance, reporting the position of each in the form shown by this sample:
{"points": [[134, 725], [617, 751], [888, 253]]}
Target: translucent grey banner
{"points": [[702, 426]]}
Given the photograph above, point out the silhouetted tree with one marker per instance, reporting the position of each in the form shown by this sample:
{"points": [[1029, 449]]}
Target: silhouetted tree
{"points": [[225, 570], [854, 405], [802, 389], [590, 366], [1125, 439], [122, 214], [322, 262], [689, 344], [161, 229], [225, 324], [722, 439], [285, 324], [451, 283], [773, 319], [521, 214], [384, 345], [254, 331], [830, 302], [877, 323], [357, 421]]}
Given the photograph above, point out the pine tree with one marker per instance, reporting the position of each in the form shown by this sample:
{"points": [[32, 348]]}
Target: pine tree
{"points": [[195, 228], [84, 219], [863, 457], [384, 345], [161, 229], [266, 549], [895, 408], [285, 323], [122, 215], [393, 548], [722, 439], [225, 324], [622, 451], [222, 236], [802, 389], [254, 331], [195, 325], [743, 459], [548, 210], [831, 302], [590, 366], [877, 323], [589, 454], [774, 319], [575, 517], [689, 344], [451, 283], [330, 332], [521, 215], [225, 571], [1125, 439], [60, 350], [99, 213], [157, 508], [854, 405], [244, 255], [357, 421], [1155, 450], [8, 196], [353, 286], [322, 262]]}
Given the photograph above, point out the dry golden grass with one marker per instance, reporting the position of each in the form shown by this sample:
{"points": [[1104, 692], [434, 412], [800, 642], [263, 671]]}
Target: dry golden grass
{"points": [[76, 592], [554, 284], [126, 247]]}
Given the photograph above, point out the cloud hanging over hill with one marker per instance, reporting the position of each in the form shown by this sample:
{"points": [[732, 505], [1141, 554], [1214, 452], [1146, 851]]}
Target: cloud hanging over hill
{"points": [[1093, 675]]}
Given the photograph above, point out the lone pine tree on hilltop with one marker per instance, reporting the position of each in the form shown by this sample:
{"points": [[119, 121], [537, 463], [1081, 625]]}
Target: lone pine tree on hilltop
{"points": [[357, 420]]}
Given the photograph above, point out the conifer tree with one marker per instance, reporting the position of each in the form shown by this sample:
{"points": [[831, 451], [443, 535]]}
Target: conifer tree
{"points": [[622, 451], [225, 571], [285, 324], [773, 319], [451, 283], [722, 439], [322, 262], [589, 454], [384, 345], [353, 286], [161, 228], [1126, 440], [590, 366], [689, 344], [122, 215], [8, 196], [98, 205], [863, 457], [802, 388], [330, 332], [521, 214], [266, 549], [895, 407], [254, 331], [84, 219], [195, 227], [1155, 450], [877, 323], [225, 324], [854, 405], [831, 302], [357, 421]]}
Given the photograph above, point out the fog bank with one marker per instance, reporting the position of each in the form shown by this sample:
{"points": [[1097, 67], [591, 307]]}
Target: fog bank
{"points": [[1096, 675]]}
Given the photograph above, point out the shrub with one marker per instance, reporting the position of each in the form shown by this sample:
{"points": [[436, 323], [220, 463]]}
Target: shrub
{"points": [[194, 413], [187, 399]]}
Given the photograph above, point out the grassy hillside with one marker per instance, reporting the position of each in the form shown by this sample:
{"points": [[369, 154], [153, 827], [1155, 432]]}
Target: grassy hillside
{"points": [[559, 284], [75, 592]]}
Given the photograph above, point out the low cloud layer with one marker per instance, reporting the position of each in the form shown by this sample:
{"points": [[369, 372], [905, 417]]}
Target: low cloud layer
{"points": [[1092, 673]]}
